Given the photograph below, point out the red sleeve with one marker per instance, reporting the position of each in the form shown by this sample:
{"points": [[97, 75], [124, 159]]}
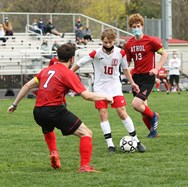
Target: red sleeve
{"points": [[92, 54]]}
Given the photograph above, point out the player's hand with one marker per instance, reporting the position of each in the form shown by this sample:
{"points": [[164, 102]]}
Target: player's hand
{"points": [[11, 109], [153, 71], [110, 100], [136, 88]]}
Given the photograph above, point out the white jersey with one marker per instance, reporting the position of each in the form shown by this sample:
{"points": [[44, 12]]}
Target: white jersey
{"points": [[106, 70], [174, 65]]}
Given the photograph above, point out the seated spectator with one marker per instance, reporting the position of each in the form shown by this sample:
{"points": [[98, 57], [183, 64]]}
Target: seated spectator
{"points": [[50, 28], [8, 27], [87, 34], [35, 27], [55, 46], [45, 50], [78, 25], [42, 26], [2, 35], [80, 37]]}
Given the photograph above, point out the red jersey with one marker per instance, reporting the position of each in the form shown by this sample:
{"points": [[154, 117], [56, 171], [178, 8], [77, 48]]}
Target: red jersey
{"points": [[53, 61], [162, 73], [54, 82], [143, 53]]}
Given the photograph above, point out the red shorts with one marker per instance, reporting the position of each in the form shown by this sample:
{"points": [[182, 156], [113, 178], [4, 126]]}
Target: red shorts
{"points": [[119, 101]]}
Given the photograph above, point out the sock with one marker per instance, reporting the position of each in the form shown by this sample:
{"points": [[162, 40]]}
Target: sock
{"points": [[50, 139], [105, 126], [128, 123], [85, 150], [148, 112], [146, 120], [157, 85]]}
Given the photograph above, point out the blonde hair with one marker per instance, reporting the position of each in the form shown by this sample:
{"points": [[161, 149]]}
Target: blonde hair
{"points": [[136, 18], [109, 34]]}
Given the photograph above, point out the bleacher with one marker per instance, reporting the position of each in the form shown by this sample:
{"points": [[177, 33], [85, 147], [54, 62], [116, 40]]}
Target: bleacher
{"points": [[22, 53]]}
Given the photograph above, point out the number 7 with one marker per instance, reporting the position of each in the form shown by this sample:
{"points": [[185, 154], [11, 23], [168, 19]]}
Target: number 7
{"points": [[51, 72]]}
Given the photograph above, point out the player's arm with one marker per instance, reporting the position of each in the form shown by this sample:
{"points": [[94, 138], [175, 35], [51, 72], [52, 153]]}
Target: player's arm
{"points": [[129, 77], [23, 92], [161, 62], [91, 96]]}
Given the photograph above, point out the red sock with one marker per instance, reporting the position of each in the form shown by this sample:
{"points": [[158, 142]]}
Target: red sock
{"points": [[157, 85], [166, 86], [50, 139], [85, 150], [148, 112], [146, 120]]}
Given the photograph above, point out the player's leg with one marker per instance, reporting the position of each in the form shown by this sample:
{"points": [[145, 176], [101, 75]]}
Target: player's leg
{"points": [[49, 134], [104, 123], [177, 83], [119, 104], [85, 135], [157, 84]]}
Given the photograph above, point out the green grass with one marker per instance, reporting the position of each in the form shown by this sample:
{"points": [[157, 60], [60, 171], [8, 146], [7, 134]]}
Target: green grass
{"points": [[24, 157]]}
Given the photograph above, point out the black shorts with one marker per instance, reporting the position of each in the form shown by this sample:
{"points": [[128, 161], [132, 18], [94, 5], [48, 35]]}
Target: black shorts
{"points": [[49, 117], [174, 78], [145, 83]]}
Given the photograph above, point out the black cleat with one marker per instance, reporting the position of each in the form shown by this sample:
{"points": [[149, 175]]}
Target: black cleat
{"points": [[140, 147], [111, 149]]}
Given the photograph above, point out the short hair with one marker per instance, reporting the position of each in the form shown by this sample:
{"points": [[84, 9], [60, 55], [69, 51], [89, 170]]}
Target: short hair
{"points": [[66, 51], [108, 33], [136, 18]]}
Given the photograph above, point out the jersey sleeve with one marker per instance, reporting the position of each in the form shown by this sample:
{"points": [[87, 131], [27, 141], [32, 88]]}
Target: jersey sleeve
{"points": [[124, 64], [74, 83], [86, 59]]}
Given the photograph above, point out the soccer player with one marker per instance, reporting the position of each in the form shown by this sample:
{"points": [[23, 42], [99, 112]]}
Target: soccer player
{"points": [[161, 78], [141, 48], [49, 113], [106, 61]]}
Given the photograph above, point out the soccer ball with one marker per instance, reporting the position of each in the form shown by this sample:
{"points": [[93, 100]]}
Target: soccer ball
{"points": [[127, 144]]}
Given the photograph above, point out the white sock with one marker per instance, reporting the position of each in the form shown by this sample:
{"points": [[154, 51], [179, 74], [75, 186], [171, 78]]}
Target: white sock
{"points": [[105, 126], [128, 123]]}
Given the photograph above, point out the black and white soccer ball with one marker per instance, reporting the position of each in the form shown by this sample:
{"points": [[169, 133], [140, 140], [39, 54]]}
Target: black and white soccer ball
{"points": [[128, 144]]}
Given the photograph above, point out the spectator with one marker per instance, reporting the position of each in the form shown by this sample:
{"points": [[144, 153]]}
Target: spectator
{"points": [[174, 73], [35, 27], [78, 24], [80, 37], [50, 28], [2, 35], [55, 46], [8, 27], [87, 34], [42, 26], [45, 50]]}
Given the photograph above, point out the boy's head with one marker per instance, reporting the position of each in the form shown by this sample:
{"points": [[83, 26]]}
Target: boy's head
{"points": [[66, 52], [108, 38], [136, 19]]}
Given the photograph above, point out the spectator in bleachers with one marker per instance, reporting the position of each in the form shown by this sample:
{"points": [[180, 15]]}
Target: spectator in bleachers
{"points": [[45, 50], [87, 34], [35, 27], [42, 26], [80, 37], [2, 35], [50, 28], [55, 46], [8, 27], [78, 24]]}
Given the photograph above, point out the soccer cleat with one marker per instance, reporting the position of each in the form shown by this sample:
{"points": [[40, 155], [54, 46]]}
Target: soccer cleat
{"points": [[154, 121], [140, 147], [153, 134], [86, 168], [55, 159], [111, 149]]}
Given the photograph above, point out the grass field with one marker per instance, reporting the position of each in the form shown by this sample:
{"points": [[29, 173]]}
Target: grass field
{"points": [[24, 157]]}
